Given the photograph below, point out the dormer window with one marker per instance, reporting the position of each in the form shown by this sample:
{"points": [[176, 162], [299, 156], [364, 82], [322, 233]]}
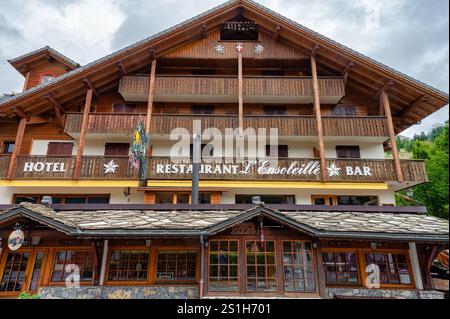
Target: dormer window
{"points": [[45, 78]]}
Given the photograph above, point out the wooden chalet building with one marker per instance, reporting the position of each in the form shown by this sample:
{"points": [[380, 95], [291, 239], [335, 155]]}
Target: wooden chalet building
{"points": [[239, 65]]}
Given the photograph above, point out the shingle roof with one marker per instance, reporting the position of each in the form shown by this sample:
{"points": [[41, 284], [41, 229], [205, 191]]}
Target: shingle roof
{"points": [[204, 14], [320, 224], [52, 52]]}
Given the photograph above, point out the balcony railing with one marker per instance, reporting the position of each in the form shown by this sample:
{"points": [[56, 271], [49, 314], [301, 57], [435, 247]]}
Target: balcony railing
{"points": [[186, 88], [285, 169], [58, 168], [125, 123], [4, 164]]}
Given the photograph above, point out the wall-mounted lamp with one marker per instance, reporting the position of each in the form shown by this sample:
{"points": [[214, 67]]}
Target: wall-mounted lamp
{"points": [[127, 192], [148, 243], [373, 245], [314, 245]]}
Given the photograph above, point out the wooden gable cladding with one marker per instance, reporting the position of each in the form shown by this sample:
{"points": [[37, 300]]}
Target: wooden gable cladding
{"points": [[206, 49], [50, 68]]}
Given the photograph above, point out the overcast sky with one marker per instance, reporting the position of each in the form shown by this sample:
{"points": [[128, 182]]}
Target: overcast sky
{"points": [[411, 36]]}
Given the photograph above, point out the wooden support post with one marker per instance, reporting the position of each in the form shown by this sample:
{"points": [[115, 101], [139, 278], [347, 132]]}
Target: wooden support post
{"points": [[104, 258], [241, 97], [17, 147], [83, 132], [27, 79], [151, 89], [316, 98], [321, 279], [384, 100]]}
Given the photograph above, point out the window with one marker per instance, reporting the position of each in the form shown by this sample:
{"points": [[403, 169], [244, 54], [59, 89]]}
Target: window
{"points": [[267, 199], [59, 149], [298, 266], [394, 267], [14, 271], [341, 267], [45, 78], [239, 29], [117, 149], [178, 265], [323, 200], [8, 147], [348, 152], [83, 259], [203, 72], [344, 200], [261, 266], [283, 151], [181, 198], [210, 148], [128, 265], [357, 200], [223, 265], [202, 109], [275, 110], [62, 199], [124, 108], [344, 110]]}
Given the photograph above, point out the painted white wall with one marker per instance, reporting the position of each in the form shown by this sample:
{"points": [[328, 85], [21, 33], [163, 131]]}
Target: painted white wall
{"points": [[92, 147]]}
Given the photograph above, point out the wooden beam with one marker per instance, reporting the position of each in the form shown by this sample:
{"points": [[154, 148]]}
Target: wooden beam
{"points": [[315, 50], [240, 94], [152, 53], [25, 83], [83, 132], [347, 69], [38, 120], [384, 88], [151, 90], [19, 112], [17, 146], [90, 86], [316, 98], [54, 102], [204, 30], [276, 34], [413, 105], [384, 101], [121, 67]]}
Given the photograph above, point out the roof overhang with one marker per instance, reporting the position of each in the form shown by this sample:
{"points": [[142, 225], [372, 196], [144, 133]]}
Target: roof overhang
{"points": [[411, 100]]}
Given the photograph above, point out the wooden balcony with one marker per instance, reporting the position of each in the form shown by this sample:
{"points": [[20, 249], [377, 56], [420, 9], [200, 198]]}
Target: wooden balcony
{"points": [[95, 168], [351, 170], [114, 123], [224, 89]]}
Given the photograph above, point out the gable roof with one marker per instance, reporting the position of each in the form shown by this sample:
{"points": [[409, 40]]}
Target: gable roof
{"points": [[411, 105], [130, 223], [39, 54]]}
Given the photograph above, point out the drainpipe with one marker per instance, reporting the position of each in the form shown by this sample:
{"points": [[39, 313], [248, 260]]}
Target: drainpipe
{"points": [[202, 267], [104, 257]]}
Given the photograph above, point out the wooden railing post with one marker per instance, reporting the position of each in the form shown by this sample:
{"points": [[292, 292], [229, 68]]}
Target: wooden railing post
{"points": [[83, 132], [384, 100], [17, 147], [240, 94], [316, 99]]}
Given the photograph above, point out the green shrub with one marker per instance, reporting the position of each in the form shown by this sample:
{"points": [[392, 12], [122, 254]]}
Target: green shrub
{"points": [[25, 295]]}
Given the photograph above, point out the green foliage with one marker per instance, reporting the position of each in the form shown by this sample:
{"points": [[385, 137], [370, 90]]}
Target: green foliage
{"points": [[434, 148], [25, 295]]}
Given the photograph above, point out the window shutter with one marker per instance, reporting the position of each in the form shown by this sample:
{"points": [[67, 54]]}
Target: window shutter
{"points": [[59, 149], [117, 149]]}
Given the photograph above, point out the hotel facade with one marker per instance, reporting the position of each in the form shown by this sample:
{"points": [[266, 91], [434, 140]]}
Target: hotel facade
{"points": [[317, 220]]}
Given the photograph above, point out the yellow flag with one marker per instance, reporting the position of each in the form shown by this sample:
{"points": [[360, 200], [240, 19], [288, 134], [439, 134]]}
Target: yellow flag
{"points": [[137, 138]]}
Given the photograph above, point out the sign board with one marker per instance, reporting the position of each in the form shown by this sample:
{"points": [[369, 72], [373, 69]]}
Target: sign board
{"points": [[16, 240]]}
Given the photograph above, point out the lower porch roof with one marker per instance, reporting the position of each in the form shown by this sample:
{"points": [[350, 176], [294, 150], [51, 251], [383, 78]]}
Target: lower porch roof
{"points": [[150, 223]]}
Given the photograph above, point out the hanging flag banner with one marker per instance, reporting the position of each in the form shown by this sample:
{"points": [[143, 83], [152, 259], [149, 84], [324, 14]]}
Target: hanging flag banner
{"points": [[138, 156]]}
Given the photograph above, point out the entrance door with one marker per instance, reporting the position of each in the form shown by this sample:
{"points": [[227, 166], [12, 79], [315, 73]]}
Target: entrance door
{"points": [[20, 271]]}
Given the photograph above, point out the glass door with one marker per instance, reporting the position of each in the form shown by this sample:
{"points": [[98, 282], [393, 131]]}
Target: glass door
{"points": [[20, 271], [261, 266]]}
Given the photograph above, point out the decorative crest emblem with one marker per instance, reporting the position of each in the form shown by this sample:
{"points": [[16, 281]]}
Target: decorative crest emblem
{"points": [[239, 47], [259, 48], [110, 167], [16, 239], [219, 48], [333, 170]]}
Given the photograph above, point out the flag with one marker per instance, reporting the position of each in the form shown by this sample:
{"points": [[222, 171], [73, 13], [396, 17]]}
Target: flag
{"points": [[139, 149]]}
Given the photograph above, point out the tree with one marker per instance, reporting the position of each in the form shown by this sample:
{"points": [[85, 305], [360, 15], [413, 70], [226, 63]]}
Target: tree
{"points": [[435, 150]]}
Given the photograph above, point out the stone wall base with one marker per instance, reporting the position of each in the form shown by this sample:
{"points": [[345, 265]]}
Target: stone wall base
{"points": [[383, 293], [119, 292]]}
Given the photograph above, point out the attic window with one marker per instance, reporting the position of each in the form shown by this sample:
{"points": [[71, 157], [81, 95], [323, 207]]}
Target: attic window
{"points": [[239, 29], [47, 77]]}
